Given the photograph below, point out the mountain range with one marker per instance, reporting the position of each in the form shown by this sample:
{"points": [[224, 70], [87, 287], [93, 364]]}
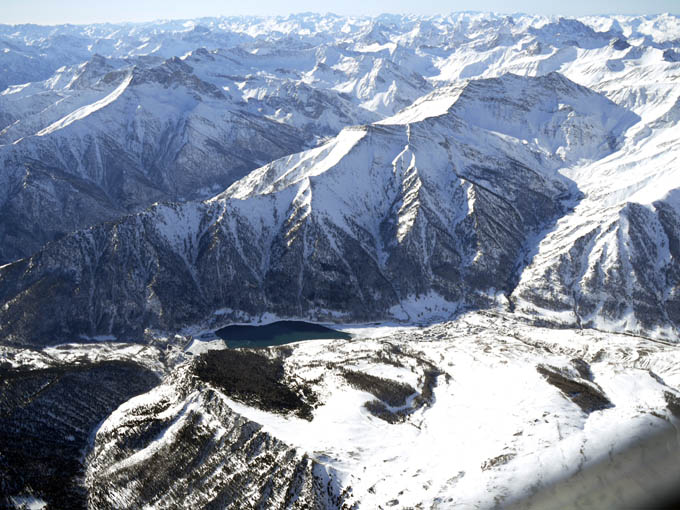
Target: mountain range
{"points": [[498, 189]]}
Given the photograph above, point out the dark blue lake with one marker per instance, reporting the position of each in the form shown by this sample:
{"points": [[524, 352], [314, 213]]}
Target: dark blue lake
{"points": [[276, 333]]}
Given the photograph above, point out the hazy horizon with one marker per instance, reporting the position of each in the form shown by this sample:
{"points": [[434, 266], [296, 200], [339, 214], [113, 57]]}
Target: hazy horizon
{"points": [[47, 12]]}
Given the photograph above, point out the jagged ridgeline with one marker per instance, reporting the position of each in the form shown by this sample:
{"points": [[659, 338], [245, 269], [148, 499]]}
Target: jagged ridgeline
{"points": [[551, 198], [155, 133], [445, 201]]}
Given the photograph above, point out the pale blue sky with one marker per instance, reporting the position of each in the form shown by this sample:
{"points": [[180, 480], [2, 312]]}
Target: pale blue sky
{"points": [[89, 11]]}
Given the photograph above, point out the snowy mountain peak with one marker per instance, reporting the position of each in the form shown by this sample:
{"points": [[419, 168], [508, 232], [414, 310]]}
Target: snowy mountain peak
{"points": [[461, 184], [87, 110], [292, 169], [555, 115], [90, 72]]}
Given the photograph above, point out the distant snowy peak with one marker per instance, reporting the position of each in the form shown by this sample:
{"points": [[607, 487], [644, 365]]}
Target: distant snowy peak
{"points": [[140, 85], [90, 72], [137, 135], [175, 72], [75, 93], [84, 111], [292, 169], [571, 32]]}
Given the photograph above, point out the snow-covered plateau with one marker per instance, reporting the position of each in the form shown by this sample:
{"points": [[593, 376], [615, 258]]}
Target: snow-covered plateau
{"points": [[489, 205]]}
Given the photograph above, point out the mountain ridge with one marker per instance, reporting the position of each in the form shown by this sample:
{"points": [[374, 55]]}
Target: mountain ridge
{"points": [[282, 239]]}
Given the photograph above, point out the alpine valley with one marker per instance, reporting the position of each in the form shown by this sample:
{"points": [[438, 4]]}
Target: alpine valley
{"points": [[489, 206]]}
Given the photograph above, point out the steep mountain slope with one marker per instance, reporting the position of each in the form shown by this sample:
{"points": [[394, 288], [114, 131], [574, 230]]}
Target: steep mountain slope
{"points": [[157, 133], [35, 106], [440, 203], [92, 143], [205, 456], [614, 262], [47, 417], [314, 73]]}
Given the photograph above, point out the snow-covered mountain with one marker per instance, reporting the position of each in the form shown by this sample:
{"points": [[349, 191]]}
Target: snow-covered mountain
{"points": [[442, 202], [512, 181], [131, 137], [468, 413], [613, 263], [314, 74]]}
